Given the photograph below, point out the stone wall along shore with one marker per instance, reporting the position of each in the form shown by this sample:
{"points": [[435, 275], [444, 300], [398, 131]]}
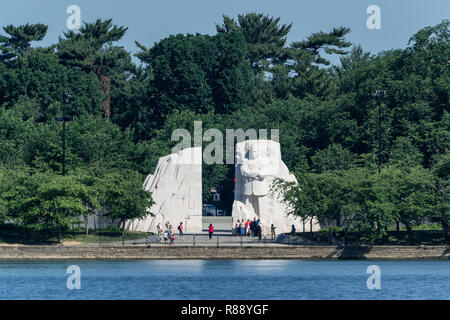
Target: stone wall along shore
{"points": [[178, 252]]}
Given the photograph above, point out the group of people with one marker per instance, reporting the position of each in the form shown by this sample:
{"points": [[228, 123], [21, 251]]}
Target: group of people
{"points": [[169, 234], [252, 228], [243, 229], [248, 228]]}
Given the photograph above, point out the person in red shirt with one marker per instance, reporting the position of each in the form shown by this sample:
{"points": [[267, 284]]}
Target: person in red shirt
{"points": [[211, 230], [247, 228]]}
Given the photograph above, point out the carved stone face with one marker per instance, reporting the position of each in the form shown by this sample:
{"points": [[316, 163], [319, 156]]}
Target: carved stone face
{"points": [[258, 165]]}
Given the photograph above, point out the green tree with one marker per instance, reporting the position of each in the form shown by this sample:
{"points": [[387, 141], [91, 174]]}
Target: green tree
{"points": [[367, 210], [92, 50], [125, 198], [48, 200], [404, 153], [304, 199], [410, 194], [36, 82], [91, 199], [441, 209], [13, 132], [18, 39], [335, 157], [198, 72], [5, 185], [265, 38], [307, 61], [91, 141]]}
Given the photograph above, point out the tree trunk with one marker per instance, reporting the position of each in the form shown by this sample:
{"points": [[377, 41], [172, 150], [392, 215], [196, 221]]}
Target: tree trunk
{"points": [[105, 83], [86, 225], [59, 234], [398, 226], [123, 231], [409, 233]]}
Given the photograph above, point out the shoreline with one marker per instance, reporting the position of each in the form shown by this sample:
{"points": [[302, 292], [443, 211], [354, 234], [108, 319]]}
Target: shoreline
{"points": [[301, 252]]}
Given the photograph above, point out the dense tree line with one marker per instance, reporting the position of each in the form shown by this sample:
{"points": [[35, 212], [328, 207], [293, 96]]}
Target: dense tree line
{"points": [[245, 76]]}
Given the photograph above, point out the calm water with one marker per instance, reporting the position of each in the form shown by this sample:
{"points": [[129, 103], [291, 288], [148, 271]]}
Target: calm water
{"points": [[225, 279]]}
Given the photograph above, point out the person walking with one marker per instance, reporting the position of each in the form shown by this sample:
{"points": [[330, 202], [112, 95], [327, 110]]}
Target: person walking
{"points": [[259, 232], [242, 228], [238, 226], [180, 229], [172, 237], [211, 230], [253, 227], [272, 231], [158, 228], [166, 235]]}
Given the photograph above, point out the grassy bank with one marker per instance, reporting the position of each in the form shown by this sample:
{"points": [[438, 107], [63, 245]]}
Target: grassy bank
{"points": [[423, 234], [12, 234]]}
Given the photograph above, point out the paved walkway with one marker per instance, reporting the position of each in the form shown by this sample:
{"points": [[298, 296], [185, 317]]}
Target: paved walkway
{"points": [[221, 239]]}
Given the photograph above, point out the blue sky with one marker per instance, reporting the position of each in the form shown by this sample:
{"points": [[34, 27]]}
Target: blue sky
{"points": [[151, 20]]}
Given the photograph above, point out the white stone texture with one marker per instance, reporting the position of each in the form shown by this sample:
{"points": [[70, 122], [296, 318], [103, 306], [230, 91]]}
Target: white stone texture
{"points": [[258, 163], [176, 187], [99, 220]]}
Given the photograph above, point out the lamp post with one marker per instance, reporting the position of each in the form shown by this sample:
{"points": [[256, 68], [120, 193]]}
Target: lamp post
{"points": [[65, 99], [379, 95]]}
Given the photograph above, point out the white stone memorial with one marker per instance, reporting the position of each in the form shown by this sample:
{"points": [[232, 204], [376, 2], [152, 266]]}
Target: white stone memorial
{"points": [[176, 187], [258, 163]]}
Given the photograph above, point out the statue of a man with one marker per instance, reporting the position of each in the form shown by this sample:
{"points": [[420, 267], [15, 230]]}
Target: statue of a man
{"points": [[258, 164]]}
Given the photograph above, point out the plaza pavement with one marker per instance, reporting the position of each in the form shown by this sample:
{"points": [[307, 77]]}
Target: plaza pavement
{"points": [[220, 238]]}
